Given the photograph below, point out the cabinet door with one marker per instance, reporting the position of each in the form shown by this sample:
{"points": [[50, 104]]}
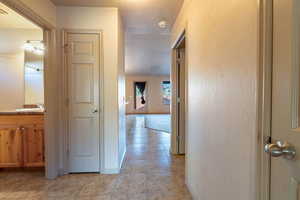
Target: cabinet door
{"points": [[33, 140], [11, 147]]}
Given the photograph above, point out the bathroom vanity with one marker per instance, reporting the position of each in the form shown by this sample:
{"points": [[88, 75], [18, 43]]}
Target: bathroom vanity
{"points": [[22, 139]]}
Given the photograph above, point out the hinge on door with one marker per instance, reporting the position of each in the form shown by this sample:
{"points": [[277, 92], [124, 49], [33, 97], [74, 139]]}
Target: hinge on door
{"points": [[66, 47], [267, 140], [178, 100]]}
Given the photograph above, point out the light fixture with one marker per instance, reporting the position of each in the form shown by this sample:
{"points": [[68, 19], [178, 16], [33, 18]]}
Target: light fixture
{"points": [[33, 67], [35, 46], [163, 24], [3, 12]]}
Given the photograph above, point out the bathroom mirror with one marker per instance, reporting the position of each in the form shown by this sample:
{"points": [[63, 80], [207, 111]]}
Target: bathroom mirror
{"points": [[34, 77]]}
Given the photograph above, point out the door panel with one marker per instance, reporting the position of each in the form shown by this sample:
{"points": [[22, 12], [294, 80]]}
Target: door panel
{"points": [[285, 174], [34, 146], [83, 62], [84, 82], [83, 141]]}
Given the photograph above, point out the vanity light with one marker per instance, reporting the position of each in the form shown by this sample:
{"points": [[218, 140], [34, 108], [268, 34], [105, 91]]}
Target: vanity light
{"points": [[33, 67], [36, 47], [3, 12], [28, 47], [39, 52]]}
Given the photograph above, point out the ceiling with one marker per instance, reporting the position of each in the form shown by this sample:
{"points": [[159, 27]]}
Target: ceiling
{"points": [[147, 45], [15, 30], [11, 19]]}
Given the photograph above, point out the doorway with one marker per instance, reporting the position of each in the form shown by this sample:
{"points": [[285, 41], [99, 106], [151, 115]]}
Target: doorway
{"points": [[50, 122], [179, 97], [82, 58]]}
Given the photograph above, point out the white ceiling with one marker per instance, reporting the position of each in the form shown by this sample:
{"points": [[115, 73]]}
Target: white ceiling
{"points": [[15, 30], [14, 20], [147, 46]]}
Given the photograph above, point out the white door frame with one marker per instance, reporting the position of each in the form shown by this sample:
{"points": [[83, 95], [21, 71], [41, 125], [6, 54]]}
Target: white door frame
{"points": [[264, 100], [174, 104], [51, 101], [265, 92], [65, 97]]}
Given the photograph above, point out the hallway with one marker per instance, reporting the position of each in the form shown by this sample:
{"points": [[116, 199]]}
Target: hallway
{"points": [[149, 173]]}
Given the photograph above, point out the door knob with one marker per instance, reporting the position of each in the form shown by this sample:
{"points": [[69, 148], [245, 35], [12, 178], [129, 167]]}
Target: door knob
{"points": [[95, 110], [279, 149]]}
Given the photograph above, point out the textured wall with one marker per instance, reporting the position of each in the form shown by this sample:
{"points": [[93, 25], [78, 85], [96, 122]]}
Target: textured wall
{"points": [[222, 48]]}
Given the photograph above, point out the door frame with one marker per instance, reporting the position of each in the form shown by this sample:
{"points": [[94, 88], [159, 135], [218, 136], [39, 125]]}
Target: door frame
{"points": [[65, 98], [264, 100], [174, 77], [50, 93], [265, 90]]}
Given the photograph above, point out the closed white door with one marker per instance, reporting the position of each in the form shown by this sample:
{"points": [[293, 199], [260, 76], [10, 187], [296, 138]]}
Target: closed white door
{"points": [[285, 170], [83, 68]]}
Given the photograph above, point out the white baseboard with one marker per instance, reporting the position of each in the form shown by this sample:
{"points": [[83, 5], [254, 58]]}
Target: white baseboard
{"points": [[191, 190], [110, 171], [122, 159], [61, 172]]}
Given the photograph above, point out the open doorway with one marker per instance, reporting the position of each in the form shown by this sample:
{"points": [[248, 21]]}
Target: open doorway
{"points": [[179, 96], [25, 58]]}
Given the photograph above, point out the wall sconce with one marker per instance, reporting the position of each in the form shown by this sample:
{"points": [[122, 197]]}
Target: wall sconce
{"points": [[35, 46]]}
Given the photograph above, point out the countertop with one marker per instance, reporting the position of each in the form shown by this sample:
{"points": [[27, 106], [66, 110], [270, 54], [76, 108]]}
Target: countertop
{"points": [[22, 112]]}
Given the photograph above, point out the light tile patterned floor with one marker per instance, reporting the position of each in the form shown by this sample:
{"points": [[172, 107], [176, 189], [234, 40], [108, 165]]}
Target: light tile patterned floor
{"points": [[149, 173], [161, 122]]}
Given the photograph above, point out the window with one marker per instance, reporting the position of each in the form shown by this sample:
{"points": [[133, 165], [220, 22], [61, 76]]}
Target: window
{"points": [[166, 92], [139, 95]]}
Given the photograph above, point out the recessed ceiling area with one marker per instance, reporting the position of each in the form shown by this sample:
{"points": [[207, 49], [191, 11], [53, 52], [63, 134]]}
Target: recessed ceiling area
{"points": [[147, 44]]}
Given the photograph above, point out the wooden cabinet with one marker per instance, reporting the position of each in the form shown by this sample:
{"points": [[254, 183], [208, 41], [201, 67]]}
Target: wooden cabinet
{"points": [[11, 147], [33, 146], [22, 141]]}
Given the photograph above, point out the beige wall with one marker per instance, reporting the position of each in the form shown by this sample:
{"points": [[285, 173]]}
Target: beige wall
{"points": [[153, 94], [222, 48], [105, 20]]}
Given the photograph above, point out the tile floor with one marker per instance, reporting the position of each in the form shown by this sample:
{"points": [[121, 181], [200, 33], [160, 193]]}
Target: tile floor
{"points": [[159, 122], [149, 173]]}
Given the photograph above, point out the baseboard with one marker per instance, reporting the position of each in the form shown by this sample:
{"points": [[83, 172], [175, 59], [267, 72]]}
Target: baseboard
{"points": [[150, 113], [191, 190], [111, 171], [122, 159], [61, 172]]}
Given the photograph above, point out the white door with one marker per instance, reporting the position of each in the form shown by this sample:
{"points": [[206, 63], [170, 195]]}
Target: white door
{"points": [[83, 65], [285, 171]]}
